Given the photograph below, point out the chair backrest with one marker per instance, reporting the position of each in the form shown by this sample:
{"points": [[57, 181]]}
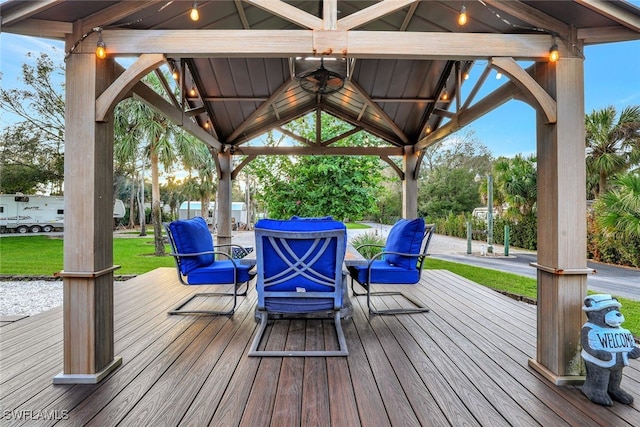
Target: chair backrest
{"points": [[299, 264], [409, 237], [189, 236]]}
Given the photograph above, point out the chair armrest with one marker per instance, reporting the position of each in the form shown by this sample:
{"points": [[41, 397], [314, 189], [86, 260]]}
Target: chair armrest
{"points": [[214, 253], [381, 254], [369, 245]]}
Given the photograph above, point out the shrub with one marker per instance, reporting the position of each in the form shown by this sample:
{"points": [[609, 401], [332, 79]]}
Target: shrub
{"points": [[369, 238]]}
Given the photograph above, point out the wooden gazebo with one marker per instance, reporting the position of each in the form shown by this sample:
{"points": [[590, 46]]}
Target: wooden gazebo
{"points": [[395, 59]]}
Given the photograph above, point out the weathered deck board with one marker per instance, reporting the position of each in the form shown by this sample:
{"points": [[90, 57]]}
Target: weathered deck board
{"points": [[462, 363]]}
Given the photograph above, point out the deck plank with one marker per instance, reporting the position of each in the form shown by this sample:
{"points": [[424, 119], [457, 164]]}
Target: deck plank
{"points": [[462, 363]]}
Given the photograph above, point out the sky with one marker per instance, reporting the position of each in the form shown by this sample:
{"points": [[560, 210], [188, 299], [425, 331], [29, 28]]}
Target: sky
{"points": [[612, 77]]}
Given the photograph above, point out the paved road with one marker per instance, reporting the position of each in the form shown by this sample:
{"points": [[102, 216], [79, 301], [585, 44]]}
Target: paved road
{"points": [[609, 279]]}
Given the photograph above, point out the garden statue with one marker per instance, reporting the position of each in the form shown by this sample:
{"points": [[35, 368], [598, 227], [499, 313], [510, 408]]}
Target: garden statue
{"points": [[606, 349]]}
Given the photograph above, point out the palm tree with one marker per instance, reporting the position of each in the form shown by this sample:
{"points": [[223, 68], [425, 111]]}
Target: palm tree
{"points": [[612, 146], [619, 209], [516, 182]]}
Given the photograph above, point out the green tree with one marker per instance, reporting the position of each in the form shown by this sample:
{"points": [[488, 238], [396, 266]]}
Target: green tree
{"points": [[612, 146], [32, 148], [618, 210], [516, 185], [342, 186]]}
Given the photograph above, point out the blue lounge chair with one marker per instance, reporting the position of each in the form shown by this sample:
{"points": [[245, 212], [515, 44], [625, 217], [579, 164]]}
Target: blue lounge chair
{"points": [[299, 266], [195, 257], [400, 263]]}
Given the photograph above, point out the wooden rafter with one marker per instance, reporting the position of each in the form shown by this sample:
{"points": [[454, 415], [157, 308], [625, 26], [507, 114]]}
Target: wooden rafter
{"points": [[379, 111], [341, 136], [27, 10], [395, 167], [612, 11], [288, 12], [259, 111], [531, 15], [371, 13]]}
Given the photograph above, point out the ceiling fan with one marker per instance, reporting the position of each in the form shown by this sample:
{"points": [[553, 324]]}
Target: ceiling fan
{"points": [[321, 81]]}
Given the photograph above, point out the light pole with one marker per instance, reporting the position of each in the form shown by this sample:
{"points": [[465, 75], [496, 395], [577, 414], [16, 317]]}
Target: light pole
{"points": [[478, 178]]}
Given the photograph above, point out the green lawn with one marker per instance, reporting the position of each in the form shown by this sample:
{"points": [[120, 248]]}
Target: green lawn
{"points": [[525, 286], [42, 256]]}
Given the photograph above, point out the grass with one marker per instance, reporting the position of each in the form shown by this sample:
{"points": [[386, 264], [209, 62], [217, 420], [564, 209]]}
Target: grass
{"points": [[42, 256], [525, 286]]}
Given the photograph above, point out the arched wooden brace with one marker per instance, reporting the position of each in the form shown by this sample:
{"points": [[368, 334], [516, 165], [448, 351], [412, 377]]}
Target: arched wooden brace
{"points": [[543, 101], [125, 82]]}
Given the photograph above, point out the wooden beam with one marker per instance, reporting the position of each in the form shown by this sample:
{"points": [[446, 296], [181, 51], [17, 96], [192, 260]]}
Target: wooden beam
{"points": [[612, 11], [47, 29], [25, 11], [259, 111], [492, 101], [395, 167], [379, 111], [329, 14], [144, 93], [315, 150], [242, 164], [409, 16], [118, 89], [342, 136], [606, 35], [242, 15], [371, 13], [390, 138], [359, 44], [531, 15], [288, 13], [111, 14], [545, 103]]}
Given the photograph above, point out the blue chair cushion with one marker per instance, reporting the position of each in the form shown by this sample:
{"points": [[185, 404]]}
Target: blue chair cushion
{"points": [[192, 236], [298, 305], [383, 272], [405, 237], [219, 272], [325, 265]]}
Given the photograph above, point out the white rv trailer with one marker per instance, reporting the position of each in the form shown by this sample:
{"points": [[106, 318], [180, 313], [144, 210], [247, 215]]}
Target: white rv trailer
{"points": [[29, 213]]}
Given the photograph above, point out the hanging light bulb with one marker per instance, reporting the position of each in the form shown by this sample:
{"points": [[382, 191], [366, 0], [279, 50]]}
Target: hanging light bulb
{"points": [[498, 75], [465, 76], [101, 48], [554, 55], [207, 124], [175, 75], [192, 92], [462, 17], [194, 14], [445, 95]]}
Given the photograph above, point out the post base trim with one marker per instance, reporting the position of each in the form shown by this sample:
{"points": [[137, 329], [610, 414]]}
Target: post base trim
{"points": [[554, 378], [63, 378]]}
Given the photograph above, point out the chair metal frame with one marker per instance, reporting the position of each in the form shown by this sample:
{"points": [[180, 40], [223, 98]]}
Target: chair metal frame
{"points": [[236, 286], [299, 266], [420, 258]]}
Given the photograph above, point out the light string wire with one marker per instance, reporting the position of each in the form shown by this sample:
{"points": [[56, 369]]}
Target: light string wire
{"points": [[530, 28], [98, 29]]}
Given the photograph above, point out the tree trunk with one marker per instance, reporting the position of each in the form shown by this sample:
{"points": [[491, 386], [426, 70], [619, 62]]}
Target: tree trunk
{"points": [[156, 213]]}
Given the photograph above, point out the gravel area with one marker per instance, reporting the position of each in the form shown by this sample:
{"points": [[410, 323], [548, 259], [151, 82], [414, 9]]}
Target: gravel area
{"points": [[29, 297]]}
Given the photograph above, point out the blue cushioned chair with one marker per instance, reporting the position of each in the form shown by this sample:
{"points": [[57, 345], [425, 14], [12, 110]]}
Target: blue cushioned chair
{"points": [[193, 251], [299, 264], [400, 263]]}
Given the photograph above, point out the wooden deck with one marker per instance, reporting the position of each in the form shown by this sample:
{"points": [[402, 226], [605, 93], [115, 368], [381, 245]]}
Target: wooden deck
{"points": [[463, 363]]}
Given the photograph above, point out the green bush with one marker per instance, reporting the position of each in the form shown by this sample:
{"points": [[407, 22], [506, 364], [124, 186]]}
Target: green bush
{"points": [[369, 238]]}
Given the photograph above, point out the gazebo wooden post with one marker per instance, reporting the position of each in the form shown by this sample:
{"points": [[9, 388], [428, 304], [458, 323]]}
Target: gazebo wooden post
{"points": [[88, 232], [410, 184], [562, 231], [224, 198]]}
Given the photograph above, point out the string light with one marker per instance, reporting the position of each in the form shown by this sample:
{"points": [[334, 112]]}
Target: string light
{"points": [[192, 92], [498, 75], [101, 48], [175, 74], [194, 14], [465, 76], [554, 55], [462, 17], [445, 95]]}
